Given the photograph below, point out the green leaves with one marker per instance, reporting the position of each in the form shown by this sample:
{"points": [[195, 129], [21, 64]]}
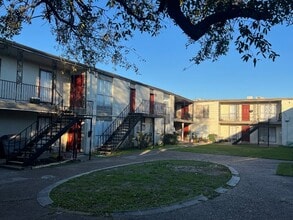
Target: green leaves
{"points": [[252, 43], [99, 29]]}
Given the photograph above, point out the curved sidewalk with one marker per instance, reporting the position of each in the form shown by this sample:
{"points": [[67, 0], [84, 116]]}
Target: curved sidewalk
{"points": [[259, 195]]}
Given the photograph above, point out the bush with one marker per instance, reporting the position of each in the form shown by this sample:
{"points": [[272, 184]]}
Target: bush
{"points": [[170, 139], [212, 137]]}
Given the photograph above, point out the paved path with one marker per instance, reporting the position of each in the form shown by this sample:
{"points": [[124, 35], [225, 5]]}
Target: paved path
{"points": [[260, 194]]}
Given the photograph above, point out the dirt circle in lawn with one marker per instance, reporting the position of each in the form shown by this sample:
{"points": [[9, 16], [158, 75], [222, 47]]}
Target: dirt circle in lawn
{"points": [[140, 186]]}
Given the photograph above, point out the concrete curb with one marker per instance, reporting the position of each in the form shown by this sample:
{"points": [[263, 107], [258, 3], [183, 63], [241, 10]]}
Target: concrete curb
{"points": [[44, 199], [43, 196]]}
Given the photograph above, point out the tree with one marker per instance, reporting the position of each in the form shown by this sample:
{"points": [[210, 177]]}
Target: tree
{"points": [[95, 30]]}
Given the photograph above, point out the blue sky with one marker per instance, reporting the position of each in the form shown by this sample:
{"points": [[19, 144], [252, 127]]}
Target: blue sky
{"points": [[166, 57]]}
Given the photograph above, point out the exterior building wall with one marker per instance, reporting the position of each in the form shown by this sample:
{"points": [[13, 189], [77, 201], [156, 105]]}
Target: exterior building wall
{"points": [[16, 115], [275, 116], [203, 126], [63, 82], [31, 73], [142, 94], [170, 103], [287, 122], [159, 122], [12, 122], [121, 95]]}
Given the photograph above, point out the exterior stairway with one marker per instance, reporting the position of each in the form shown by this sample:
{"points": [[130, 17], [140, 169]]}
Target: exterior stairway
{"points": [[246, 134], [119, 130], [25, 147], [115, 140]]}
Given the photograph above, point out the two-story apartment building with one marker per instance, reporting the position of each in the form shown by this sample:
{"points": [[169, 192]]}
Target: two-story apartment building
{"points": [[51, 104], [252, 120], [42, 97], [114, 97]]}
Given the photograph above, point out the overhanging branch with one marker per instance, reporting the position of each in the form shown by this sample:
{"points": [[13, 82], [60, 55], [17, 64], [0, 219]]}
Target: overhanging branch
{"points": [[196, 31]]}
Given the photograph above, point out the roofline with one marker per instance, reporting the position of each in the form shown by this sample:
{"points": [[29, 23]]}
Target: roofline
{"points": [[40, 53], [140, 83], [60, 59], [244, 100]]}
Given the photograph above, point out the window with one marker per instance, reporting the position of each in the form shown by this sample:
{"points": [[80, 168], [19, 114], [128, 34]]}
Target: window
{"points": [[268, 111], [104, 98], [266, 134], [46, 83], [202, 111]]}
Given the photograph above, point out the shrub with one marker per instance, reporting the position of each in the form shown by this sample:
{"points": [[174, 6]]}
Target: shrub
{"points": [[212, 137], [170, 139]]}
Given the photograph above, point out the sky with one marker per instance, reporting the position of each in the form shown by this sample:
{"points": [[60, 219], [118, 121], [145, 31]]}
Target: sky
{"points": [[167, 65]]}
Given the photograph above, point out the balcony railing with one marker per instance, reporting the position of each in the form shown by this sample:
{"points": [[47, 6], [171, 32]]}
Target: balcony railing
{"points": [[251, 118], [10, 90], [153, 108], [185, 116]]}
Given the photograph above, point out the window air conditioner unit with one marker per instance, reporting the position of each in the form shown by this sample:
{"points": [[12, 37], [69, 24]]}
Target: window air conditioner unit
{"points": [[35, 100]]}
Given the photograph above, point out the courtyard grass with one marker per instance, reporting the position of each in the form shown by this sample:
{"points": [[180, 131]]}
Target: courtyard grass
{"points": [[140, 186], [272, 152], [285, 169]]}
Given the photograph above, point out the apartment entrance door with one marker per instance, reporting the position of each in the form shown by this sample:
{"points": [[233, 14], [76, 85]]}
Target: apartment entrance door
{"points": [[132, 100], [77, 91], [245, 112], [152, 103]]}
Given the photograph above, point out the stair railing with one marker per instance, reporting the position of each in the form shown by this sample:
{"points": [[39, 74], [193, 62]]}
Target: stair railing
{"points": [[248, 132], [155, 108], [113, 126], [20, 140]]}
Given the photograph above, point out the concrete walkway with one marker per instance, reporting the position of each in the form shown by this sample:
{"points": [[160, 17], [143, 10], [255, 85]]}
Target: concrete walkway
{"points": [[260, 194]]}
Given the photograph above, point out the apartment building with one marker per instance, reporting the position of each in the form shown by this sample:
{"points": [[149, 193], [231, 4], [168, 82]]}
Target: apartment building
{"points": [[254, 120], [154, 111], [50, 104]]}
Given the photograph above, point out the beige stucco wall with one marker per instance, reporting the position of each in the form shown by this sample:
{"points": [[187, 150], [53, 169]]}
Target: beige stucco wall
{"points": [[142, 93], [205, 126], [287, 122], [121, 95]]}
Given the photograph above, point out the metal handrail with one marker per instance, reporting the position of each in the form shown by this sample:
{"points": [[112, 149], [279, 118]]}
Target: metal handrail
{"points": [[144, 107], [113, 126]]}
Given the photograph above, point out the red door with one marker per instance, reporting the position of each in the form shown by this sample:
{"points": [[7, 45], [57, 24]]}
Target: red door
{"points": [[245, 133], [74, 138], [185, 132], [245, 112], [184, 113], [77, 91], [132, 100], [152, 103], [76, 101]]}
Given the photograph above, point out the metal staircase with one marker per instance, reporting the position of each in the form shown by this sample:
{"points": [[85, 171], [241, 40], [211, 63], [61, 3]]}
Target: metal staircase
{"points": [[121, 133], [25, 147], [118, 130], [247, 133]]}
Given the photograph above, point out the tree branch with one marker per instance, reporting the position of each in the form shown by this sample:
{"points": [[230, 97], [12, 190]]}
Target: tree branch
{"points": [[196, 31]]}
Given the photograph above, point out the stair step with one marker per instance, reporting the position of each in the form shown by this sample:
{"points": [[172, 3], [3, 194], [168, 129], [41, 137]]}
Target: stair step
{"points": [[11, 166], [15, 162], [106, 153]]}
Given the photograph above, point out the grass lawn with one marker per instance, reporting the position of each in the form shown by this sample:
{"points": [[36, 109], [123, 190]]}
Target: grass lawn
{"points": [[275, 152], [285, 169], [140, 186]]}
